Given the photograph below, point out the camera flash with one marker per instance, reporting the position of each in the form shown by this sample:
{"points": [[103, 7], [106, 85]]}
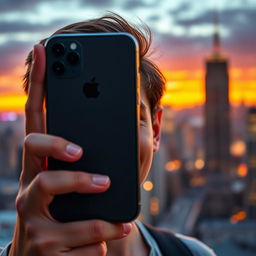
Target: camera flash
{"points": [[73, 46]]}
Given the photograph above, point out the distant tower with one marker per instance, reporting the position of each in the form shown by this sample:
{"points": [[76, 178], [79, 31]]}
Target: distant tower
{"points": [[251, 156], [217, 123]]}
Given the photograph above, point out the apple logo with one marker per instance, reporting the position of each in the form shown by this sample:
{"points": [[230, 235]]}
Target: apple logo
{"points": [[91, 89]]}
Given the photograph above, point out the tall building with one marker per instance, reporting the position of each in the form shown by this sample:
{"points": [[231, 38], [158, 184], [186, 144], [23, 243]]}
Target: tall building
{"points": [[217, 120], [251, 160]]}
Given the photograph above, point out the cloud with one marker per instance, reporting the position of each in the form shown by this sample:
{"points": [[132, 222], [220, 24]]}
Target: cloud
{"points": [[97, 3], [24, 26], [12, 55], [182, 30], [182, 7], [134, 4], [183, 51], [19, 5]]}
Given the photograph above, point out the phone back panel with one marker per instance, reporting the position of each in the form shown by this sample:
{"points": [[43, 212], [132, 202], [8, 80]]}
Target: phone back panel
{"points": [[95, 105]]}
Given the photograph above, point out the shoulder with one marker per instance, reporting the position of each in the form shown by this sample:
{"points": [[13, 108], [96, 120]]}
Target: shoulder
{"points": [[186, 245], [5, 251], [196, 247]]}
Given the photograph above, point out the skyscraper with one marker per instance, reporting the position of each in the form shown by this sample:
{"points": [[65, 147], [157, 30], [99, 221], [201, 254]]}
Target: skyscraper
{"points": [[217, 123]]}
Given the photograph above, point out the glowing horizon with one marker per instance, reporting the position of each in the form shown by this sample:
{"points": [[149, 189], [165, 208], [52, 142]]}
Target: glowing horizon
{"points": [[184, 89]]}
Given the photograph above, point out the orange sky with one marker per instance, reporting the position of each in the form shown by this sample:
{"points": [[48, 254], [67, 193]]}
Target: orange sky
{"points": [[185, 88]]}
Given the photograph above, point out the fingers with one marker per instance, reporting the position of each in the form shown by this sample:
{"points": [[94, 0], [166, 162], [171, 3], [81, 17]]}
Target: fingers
{"points": [[34, 106], [91, 232], [37, 146], [90, 250], [61, 182], [38, 195]]}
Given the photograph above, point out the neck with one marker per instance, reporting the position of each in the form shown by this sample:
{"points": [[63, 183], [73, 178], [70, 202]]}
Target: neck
{"points": [[132, 245]]}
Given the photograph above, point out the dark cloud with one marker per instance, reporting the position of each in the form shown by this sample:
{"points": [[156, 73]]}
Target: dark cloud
{"points": [[181, 52], [22, 5], [154, 18], [187, 51], [133, 4], [19, 5], [204, 18], [23, 26], [240, 24], [184, 6], [242, 39], [96, 2], [228, 18]]}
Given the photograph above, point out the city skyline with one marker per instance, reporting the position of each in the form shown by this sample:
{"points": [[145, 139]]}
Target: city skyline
{"points": [[182, 40]]}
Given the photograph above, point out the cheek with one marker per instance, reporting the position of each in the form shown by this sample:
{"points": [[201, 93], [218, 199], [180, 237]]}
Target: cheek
{"points": [[146, 152]]}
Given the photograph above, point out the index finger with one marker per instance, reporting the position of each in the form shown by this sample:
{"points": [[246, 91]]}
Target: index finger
{"points": [[34, 106]]}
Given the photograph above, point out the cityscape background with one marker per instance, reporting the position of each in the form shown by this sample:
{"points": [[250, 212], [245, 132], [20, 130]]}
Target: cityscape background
{"points": [[203, 179]]}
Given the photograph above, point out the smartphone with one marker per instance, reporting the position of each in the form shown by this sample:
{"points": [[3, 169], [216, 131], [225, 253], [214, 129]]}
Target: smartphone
{"points": [[92, 99]]}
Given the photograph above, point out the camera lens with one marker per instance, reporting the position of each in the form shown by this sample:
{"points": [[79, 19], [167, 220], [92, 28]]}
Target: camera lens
{"points": [[58, 68], [58, 49], [73, 58]]}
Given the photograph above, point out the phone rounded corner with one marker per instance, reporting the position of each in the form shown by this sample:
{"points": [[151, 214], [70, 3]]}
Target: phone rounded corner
{"points": [[132, 38], [135, 215]]}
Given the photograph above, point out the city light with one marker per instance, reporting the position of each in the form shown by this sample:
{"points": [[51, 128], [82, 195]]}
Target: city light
{"points": [[148, 185], [199, 164], [238, 148], [172, 166], [8, 116], [154, 206], [239, 216], [197, 182], [242, 170]]}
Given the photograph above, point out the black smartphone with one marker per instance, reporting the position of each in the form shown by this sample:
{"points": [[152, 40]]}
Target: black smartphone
{"points": [[92, 99]]}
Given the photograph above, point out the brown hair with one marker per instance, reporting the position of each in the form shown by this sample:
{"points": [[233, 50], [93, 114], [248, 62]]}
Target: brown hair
{"points": [[152, 79]]}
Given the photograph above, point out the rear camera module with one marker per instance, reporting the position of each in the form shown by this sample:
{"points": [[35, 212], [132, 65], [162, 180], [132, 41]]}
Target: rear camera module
{"points": [[58, 68], [58, 49], [73, 58]]}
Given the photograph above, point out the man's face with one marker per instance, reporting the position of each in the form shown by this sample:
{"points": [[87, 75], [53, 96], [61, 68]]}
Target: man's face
{"points": [[149, 134]]}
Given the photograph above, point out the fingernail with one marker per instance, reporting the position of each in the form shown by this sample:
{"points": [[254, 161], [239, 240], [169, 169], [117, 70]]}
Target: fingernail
{"points": [[100, 180], [73, 149], [127, 228]]}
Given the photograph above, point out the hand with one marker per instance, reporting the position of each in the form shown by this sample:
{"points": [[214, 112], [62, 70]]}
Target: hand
{"points": [[36, 232]]}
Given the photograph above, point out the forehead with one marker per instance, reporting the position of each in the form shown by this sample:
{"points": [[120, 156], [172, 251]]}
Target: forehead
{"points": [[144, 103]]}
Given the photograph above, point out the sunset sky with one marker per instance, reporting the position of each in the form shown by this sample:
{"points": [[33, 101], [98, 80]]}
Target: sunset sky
{"points": [[182, 39]]}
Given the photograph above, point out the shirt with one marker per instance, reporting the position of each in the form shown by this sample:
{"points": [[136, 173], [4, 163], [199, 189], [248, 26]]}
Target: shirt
{"points": [[196, 247]]}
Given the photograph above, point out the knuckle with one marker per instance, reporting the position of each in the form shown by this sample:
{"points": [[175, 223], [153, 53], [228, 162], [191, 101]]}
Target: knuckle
{"points": [[40, 242], [31, 231], [28, 140], [54, 145], [98, 230], [41, 245], [20, 204], [41, 181], [79, 179]]}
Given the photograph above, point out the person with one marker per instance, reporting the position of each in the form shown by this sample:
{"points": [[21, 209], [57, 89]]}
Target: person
{"points": [[36, 232]]}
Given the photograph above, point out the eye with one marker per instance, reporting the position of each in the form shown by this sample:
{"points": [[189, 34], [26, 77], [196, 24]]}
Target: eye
{"points": [[143, 120], [142, 116]]}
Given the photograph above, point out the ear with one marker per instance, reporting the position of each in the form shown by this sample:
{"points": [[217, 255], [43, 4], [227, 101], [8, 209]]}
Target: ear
{"points": [[157, 128]]}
